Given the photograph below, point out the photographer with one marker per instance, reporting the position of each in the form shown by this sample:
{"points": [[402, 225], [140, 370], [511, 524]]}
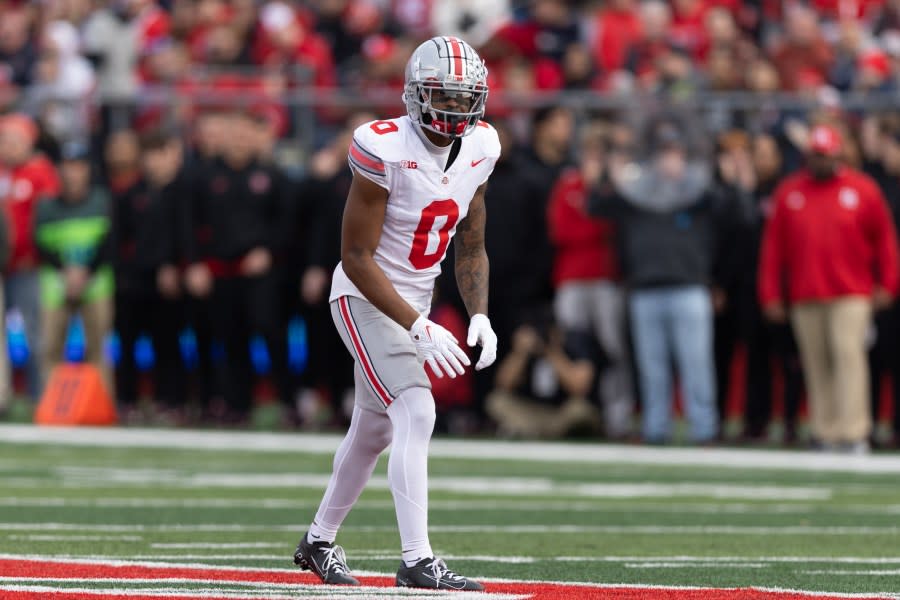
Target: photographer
{"points": [[544, 384]]}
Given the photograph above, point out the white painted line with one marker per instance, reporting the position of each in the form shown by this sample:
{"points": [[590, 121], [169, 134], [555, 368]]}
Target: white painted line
{"points": [[77, 538], [588, 505], [219, 546], [735, 559], [150, 502], [534, 529], [870, 572], [697, 565], [306, 591], [467, 449], [494, 486]]}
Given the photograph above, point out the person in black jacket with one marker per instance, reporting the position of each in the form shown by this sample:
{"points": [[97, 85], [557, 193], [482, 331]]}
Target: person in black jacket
{"points": [[763, 339], [667, 212], [881, 150], [146, 223], [315, 252], [239, 221]]}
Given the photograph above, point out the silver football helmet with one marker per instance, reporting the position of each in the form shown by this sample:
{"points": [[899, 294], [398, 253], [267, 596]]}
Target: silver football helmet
{"points": [[440, 70]]}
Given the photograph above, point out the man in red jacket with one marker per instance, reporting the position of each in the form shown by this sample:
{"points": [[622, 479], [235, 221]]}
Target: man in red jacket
{"points": [[589, 297], [25, 178], [830, 253]]}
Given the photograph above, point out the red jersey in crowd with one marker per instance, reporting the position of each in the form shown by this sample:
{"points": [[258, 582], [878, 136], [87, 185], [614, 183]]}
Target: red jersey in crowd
{"points": [[20, 189], [617, 31], [584, 245], [847, 9], [828, 239]]}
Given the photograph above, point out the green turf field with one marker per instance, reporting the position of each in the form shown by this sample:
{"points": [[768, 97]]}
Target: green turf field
{"points": [[568, 516]]}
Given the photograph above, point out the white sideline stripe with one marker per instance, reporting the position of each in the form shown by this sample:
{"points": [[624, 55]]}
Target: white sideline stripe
{"points": [[285, 556], [461, 449], [628, 561], [519, 505], [229, 586], [514, 486], [214, 546], [112, 562], [682, 559], [699, 565], [308, 591], [637, 561], [881, 572], [611, 529], [77, 538]]}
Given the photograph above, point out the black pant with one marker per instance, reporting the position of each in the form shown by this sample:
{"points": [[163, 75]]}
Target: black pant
{"points": [[201, 380], [725, 338], [884, 357], [241, 308], [144, 312], [765, 343], [329, 366]]}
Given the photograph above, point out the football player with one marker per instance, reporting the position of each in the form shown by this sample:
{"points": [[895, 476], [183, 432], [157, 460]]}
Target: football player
{"points": [[417, 181]]}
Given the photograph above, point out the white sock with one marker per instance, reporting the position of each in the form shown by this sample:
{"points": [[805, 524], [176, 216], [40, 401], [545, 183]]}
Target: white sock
{"points": [[412, 415], [354, 461]]}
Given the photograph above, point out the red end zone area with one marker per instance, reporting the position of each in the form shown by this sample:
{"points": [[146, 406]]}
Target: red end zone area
{"points": [[32, 579]]}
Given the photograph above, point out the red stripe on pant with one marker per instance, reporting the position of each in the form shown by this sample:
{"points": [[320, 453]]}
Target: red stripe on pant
{"points": [[361, 356]]}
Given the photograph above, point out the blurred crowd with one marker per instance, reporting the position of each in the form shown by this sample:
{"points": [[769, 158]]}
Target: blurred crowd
{"points": [[174, 173]]}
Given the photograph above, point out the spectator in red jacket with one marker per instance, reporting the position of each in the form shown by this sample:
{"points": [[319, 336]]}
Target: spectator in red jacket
{"points": [[589, 298], [830, 253], [25, 178], [803, 49]]}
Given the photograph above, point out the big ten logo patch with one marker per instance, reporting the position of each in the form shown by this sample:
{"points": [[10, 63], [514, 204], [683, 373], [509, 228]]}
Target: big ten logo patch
{"points": [[409, 164]]}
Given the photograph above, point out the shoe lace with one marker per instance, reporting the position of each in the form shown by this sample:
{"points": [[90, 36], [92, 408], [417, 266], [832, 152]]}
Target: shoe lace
{"points": [[335, 560], [440, 570]]}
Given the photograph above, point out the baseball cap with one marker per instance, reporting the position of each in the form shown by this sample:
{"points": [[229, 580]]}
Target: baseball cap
{"points": [[826, 140]]}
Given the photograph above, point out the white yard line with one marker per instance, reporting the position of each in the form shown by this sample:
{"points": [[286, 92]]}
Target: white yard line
{"points": [[522, 505], [536, 529], [493, 486], [214, 546], [226, 585], [468, 449], [77, 538], [307, 591], [697, 565], [635, 561], [870, 572]]}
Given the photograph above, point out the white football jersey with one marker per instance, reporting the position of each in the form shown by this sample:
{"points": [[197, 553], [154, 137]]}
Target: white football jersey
{"points": [[424, 205]]}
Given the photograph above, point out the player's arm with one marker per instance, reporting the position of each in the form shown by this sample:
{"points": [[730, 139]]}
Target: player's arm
{"points": [[472, 270], [360, 233], [471, 258]]}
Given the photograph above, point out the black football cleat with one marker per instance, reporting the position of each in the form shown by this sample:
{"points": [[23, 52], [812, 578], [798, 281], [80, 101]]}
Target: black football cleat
{"points": [[326, 560], [432, 573]]}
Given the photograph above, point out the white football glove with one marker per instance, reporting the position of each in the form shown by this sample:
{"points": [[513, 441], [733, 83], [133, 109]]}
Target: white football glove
{"points": [[480, 332], [438, 347]]}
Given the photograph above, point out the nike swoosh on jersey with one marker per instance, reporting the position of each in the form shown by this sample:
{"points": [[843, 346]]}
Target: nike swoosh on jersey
{"points": [[475, 163]]}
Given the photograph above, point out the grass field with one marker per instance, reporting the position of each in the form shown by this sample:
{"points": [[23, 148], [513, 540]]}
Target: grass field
{"points": [[143, 513]]}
